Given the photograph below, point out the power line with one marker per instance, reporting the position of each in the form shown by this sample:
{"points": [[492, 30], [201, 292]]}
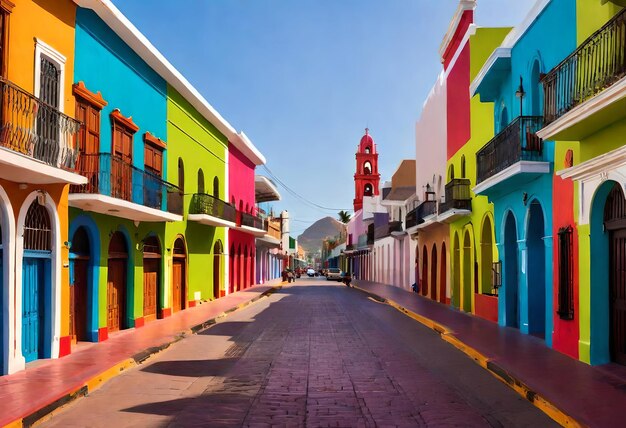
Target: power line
{"points": [[297, 195]]}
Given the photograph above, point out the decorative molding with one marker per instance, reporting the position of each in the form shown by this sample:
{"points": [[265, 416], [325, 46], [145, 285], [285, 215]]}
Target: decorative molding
{"points": [[464, 5], [596, 166], [157, 142], [6, 6], [520, 167], [498, 53], [43, 49], [95, 99], [116, 116]]}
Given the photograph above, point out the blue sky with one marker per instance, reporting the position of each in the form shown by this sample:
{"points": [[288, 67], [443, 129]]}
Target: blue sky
{"points": [[303, 78]]}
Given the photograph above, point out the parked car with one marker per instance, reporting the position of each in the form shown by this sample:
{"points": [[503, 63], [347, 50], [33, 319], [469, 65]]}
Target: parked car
{"points": [[310, 272], [333, 274]]}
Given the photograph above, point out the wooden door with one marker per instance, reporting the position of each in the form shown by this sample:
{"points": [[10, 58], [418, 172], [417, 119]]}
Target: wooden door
{"points": [[116, 294], [216, 276], [150, 288], [618, 296], [78, 298], [33, 287], [178, 288], [121, 170]]}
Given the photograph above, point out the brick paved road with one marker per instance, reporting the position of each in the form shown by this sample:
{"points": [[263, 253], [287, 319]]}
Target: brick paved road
{"points": [[315, 354]]}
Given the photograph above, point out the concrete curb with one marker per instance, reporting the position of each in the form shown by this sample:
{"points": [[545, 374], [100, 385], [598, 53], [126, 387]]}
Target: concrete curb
{"points": [[100, 379], [485, 362]]}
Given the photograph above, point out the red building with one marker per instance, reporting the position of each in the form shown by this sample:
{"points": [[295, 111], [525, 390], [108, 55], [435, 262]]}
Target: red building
{"points": [[249, 225], [366, 178]]}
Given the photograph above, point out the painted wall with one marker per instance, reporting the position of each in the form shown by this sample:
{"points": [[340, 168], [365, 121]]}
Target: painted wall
{"points": [[458, 106], [240, 178], [200, 145], [106, 64], [591, 15], [52, 22]]}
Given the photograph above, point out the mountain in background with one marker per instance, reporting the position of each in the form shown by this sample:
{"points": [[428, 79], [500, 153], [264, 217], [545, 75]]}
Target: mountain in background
{"points": [[311, 239]]}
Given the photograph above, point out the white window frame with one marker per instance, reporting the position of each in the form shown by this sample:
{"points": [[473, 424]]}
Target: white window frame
{"points": [[43, 49]]}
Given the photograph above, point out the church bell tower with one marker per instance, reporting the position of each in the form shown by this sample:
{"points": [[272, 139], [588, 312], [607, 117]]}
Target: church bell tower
{"points": [[366, 178]]}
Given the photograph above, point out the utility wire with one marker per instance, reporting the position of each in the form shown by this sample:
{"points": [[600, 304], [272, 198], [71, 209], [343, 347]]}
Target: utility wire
{"points": [[297, 195]]}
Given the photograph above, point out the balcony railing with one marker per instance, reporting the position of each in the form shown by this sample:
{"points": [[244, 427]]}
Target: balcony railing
{"points": [[458, 195], [516, 142], [385, 230], [37, 130], [202, 203], [425, 209], [596, 64], [252, 221], [112, 176], [411, 218]]}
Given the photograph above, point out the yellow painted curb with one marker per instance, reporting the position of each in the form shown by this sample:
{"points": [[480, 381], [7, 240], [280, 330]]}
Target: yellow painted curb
{"points": [[447, 335], [97, 381], [14, 424]]}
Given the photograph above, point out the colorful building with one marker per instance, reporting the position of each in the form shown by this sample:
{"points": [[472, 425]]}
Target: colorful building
{"points": [[38, 160]]}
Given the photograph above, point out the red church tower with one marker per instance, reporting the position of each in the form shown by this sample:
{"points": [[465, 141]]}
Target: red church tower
{"points": [[367, 178]]}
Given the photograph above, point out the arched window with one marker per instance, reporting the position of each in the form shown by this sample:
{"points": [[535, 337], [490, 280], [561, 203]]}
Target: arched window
{"points": [[37, 228], [367, 150], [200, 181], [368, 191], [367, 168], [463, 166], [216, 187], [247, 207], [535, 90], [181, 175], [451, 173]]}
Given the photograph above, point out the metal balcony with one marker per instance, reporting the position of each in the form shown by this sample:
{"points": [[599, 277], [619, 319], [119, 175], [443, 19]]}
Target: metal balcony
{"points": [[38, 143], [598, 63], [211, 211], [519, 145], [458, 200], [118, 188], [385, 230]]}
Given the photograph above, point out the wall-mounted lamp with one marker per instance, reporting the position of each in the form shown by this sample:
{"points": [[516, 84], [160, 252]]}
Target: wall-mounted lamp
{"points": [[520, 93]]}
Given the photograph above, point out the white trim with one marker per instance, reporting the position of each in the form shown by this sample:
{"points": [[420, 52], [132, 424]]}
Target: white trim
{"points": [[464, 5], [521, 167], [125, 29], [102, 203], [55, 270], [498, 53], [269, 240], [209, 220], [43, 49], [451, 215], [7, 219], [612, 94], [471, 30], [46, 174], [261, 179], [610, 160]]}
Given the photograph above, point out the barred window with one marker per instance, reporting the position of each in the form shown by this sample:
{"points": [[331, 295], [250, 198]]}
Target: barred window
{"points": [[566, 273]]}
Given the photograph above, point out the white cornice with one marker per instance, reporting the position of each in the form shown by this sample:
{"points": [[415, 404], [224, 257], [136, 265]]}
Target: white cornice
{"points": [[581, 112], [125, 29], [463, 6], [595, 166], [471, 30], [495, 55]]}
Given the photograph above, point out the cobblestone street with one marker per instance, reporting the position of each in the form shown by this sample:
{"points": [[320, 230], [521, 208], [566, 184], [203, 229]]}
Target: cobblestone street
{"points": [[314, 354]]}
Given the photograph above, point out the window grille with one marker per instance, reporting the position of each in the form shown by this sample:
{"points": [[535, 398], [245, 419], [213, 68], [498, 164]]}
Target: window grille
{"points": [[496, 276], [37, 230], [566, 273]]}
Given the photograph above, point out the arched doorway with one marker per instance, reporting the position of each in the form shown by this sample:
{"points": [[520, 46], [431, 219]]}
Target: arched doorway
{"points": [[425, 281], [456, 272], [442, 274], [231, 270], [218, 250], [486, 256], [536, 263], [416, 268], [36, 283], [467, 272], [80, 260], [251, 257], [614, 215], [179, 276], [151, 278], [433, 273], [116, 282], [510, 271]]}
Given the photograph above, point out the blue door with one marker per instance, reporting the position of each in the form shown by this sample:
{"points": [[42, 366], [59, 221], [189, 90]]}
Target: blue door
{"points": [[33, 288]]}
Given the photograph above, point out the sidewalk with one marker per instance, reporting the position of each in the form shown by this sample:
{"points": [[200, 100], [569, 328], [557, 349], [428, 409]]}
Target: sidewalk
{"points": [[45, 385], [569, 391]]}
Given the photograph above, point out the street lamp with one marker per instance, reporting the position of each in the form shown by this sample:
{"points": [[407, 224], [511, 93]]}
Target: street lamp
{"points": [[520, 94]]}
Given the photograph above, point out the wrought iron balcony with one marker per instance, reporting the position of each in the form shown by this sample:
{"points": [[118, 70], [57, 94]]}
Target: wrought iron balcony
{"points": [[32, 128], [458, 196], [596, 64], [202, 203], [411, 218], [385, 230], [515, 143], [253, 221], [425, 209], [112, 176]]}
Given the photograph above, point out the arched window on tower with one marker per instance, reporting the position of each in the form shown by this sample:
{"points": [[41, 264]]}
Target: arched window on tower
{"points": [[367, 150], [367, 168], [368, 190]]}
